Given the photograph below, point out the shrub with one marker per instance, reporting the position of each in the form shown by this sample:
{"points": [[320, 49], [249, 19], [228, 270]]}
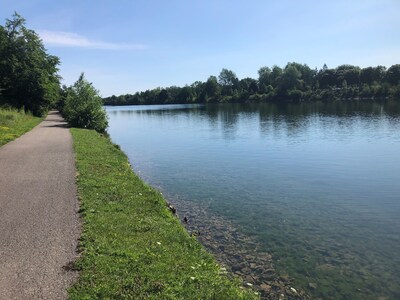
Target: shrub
{"points": [[83, 106]]}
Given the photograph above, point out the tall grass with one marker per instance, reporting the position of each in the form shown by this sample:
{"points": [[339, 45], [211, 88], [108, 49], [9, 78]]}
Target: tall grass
{"points": [[14, 123]]}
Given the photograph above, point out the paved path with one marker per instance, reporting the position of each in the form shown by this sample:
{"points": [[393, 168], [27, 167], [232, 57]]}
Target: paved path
{"points": [[39, 224]]}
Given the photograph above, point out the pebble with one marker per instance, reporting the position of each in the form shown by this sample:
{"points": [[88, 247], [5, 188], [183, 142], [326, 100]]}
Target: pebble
{"points": [[254, 267], [265, 287]]}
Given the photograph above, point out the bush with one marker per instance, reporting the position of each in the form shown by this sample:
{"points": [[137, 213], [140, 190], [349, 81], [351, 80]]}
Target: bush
{"points": [[83, 106]]}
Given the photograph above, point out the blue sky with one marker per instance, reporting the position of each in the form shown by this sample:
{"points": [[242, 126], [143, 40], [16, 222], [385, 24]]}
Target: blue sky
{"points": [[127, 46]]}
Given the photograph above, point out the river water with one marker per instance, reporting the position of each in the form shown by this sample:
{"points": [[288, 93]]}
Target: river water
{"points": [[311, 189]]}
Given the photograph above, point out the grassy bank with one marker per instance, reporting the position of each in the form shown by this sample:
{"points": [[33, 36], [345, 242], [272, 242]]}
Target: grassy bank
{"points": [[14, 124], [132, 246]]}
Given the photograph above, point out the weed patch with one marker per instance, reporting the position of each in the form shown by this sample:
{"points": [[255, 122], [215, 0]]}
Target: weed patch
{"points": [[14, 123]]}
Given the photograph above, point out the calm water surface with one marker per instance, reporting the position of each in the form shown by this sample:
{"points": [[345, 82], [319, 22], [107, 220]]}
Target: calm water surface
{"points": [[316, 184]]}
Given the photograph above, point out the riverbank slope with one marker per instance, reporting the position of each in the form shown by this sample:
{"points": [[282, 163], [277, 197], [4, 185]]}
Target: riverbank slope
{"points": [[132, 246]]}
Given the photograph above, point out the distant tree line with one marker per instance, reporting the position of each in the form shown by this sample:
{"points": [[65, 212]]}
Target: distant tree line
{"points": [[294, 82], [28, 74]]}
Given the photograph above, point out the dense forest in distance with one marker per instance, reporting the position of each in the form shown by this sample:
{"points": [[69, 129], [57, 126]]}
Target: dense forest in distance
{"points": [[294, 82]]}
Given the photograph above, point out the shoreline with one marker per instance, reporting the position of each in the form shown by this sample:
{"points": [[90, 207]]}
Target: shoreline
{"points": [[342, 99], [228, 245], [131, 245], [252, 267]]}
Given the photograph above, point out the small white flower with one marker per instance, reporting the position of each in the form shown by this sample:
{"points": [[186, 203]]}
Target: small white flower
{"points": [[158, 243], [192, 278]]}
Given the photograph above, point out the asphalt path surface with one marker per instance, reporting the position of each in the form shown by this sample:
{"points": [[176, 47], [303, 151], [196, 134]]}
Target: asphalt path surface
{"points": [[39, 222]]}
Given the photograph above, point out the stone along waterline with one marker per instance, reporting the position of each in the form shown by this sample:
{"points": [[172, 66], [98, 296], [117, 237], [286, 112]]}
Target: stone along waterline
{"points": [[314, 184]]}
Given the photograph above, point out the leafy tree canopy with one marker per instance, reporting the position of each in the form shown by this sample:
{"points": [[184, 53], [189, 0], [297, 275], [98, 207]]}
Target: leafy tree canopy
{"points": [[28, 74]]}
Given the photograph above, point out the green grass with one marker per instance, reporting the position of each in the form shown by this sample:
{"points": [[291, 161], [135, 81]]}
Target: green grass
{"points": [[132, 246], [14, 123]]}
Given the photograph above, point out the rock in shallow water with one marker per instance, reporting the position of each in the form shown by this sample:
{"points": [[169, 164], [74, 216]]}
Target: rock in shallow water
{"points": [[312, 285]]}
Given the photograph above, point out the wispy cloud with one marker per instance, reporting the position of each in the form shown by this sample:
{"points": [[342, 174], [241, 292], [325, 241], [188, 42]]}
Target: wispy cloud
{"points": [[70, 39]]}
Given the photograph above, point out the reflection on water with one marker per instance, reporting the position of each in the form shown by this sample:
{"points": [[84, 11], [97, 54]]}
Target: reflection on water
{"points": [[314, 184]]}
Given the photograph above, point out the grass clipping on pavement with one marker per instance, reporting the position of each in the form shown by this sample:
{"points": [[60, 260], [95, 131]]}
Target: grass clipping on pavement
{"points": [[14, 123], [132, 246]]}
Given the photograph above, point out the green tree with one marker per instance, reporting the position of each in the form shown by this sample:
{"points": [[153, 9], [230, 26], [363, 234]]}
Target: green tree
{"points": [[83, 106], [393, 75], [370, 75], [163, 96], [185, 95], [307, 74], [28, 74], [290, 79], [264, 79], [212, 89], [3, 65], [228, 81], [276, 75], [197, 89], [248, 85], [326, 77], [349, 73]]}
